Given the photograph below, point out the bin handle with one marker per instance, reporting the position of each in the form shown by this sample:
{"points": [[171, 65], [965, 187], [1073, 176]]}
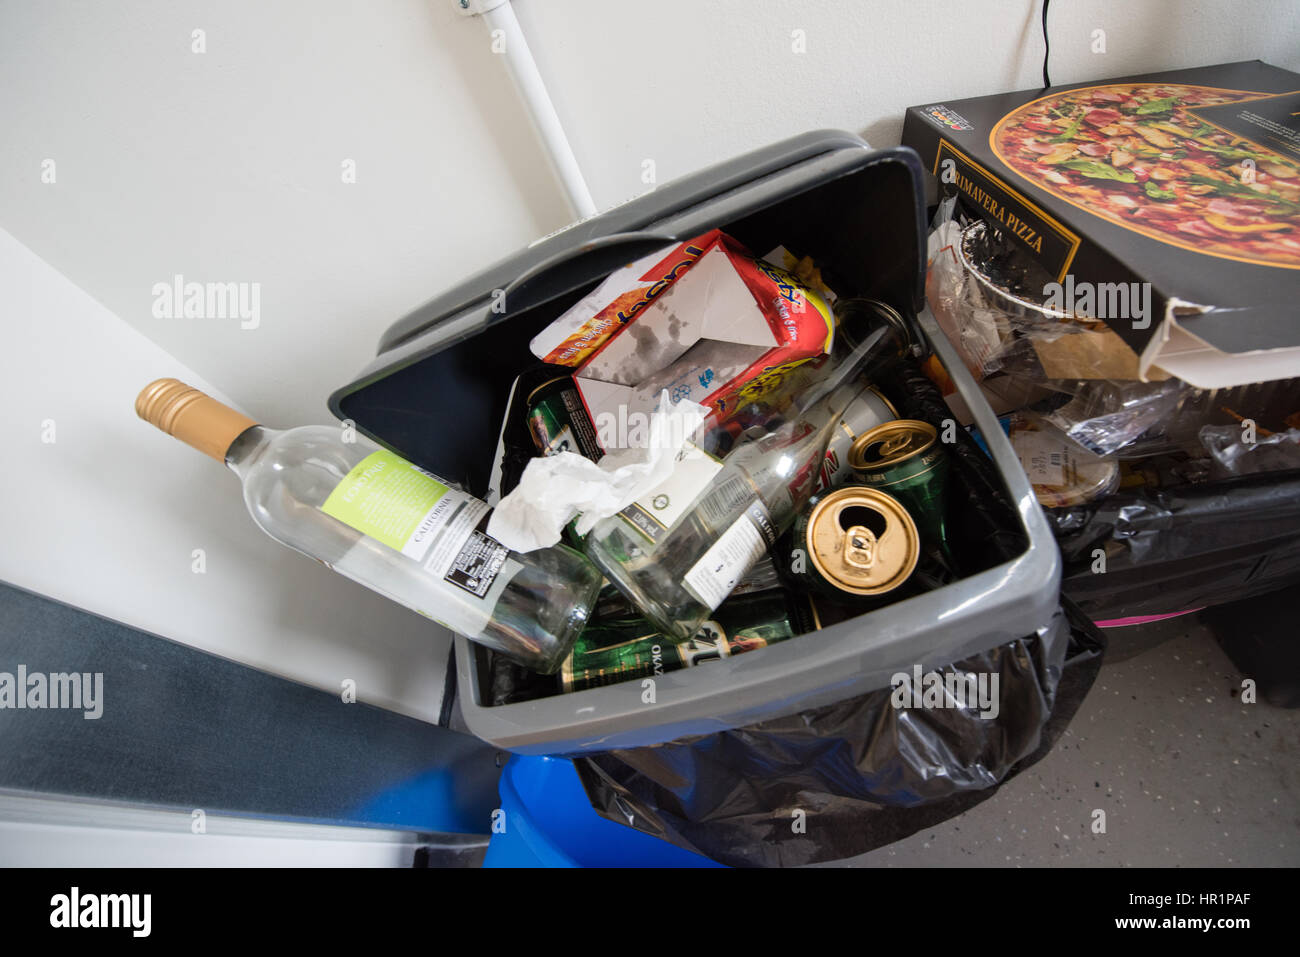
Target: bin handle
{"points": [[568, 270]]}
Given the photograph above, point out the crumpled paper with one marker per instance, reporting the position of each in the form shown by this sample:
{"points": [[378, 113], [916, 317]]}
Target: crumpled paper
{"points": [[557, 488]]}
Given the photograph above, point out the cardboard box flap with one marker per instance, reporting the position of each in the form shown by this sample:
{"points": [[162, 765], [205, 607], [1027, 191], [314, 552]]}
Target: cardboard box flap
{"points": [[1178, 350], [714, 304]]}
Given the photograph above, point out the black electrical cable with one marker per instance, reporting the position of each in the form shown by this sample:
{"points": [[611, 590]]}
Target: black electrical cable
{"points": [[1047, 48]]}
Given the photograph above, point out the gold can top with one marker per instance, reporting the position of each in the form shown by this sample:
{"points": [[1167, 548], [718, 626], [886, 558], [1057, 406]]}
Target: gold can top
{"points": [[192, 416], [548, 382], [862, 540], [891, 443]]}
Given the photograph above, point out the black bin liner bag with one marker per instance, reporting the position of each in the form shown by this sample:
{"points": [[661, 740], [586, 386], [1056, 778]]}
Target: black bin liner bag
{"points": [[1173, 550]]}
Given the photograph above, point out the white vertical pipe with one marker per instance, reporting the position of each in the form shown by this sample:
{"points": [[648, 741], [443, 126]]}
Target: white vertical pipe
{"points": [[519, 60]]}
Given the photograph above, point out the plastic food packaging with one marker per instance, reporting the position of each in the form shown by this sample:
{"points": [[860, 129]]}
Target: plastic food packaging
{"points": [[1060, 471], [993, 302], [1280, 450], [971, 325], [1272, 405], [1066, 350], [1105, 416]]}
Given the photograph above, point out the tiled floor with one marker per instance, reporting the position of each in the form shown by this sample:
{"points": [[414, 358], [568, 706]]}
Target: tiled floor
{"points": [[1186, 774]]}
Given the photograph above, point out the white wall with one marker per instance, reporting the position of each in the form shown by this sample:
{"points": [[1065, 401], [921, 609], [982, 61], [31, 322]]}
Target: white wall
{"points": [[107, 515], [687, 83], [226, 166]]}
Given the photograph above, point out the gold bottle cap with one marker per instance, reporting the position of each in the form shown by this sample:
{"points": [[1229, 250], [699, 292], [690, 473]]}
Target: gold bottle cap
{"points": [[891, 443], [192, 416], [862, 540]]}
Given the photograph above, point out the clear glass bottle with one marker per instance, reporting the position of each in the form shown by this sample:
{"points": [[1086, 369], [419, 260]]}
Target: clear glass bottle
{"points": [[678, 564], [377, 519]]}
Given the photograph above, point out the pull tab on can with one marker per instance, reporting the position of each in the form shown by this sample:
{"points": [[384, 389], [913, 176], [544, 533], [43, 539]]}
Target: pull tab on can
{"points": [[860, 547], [895, 445]]}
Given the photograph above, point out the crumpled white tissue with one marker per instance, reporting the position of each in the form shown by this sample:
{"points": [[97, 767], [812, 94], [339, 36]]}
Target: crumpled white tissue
{"points": [[556, 488]]}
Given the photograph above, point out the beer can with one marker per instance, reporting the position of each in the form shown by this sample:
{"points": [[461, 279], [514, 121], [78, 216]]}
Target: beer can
{"points": [[628, 648], [558, 420], [855, 541], [905, 459], [866, 410]]}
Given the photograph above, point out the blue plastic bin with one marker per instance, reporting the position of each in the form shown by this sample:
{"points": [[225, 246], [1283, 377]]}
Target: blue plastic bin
{"points": [[550, 823]]}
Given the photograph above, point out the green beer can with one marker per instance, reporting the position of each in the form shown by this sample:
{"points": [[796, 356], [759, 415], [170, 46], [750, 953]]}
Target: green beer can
{"points": [[905, 459], [614, 650], [558, 420]]}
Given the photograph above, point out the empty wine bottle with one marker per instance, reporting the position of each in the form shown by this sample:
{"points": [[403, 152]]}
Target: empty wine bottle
{"points": [[380, 520]]}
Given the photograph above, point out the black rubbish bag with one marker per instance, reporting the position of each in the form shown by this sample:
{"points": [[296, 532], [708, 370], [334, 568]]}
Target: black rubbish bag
{"points": [[1160, 551], [841, 780]]}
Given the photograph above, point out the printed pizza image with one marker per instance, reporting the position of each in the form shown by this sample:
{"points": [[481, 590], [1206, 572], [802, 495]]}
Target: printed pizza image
{"points": [[1137, 155]]}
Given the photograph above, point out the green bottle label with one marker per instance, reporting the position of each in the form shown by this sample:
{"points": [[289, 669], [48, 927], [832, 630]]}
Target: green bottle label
{"points": [[398, 503], [392, 501]]}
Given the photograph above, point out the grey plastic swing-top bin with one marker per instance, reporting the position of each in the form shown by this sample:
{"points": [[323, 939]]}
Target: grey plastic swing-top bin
{"points": [[437, 392]]}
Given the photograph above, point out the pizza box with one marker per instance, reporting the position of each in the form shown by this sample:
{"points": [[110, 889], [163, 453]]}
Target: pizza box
{"points": [[1167, 205]]}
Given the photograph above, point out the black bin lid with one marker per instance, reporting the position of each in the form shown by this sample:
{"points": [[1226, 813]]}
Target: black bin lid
{"points": [[437, 390]]}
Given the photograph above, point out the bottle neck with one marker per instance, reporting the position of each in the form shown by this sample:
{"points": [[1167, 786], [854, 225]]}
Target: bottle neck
{"points": [[247, 449]]}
